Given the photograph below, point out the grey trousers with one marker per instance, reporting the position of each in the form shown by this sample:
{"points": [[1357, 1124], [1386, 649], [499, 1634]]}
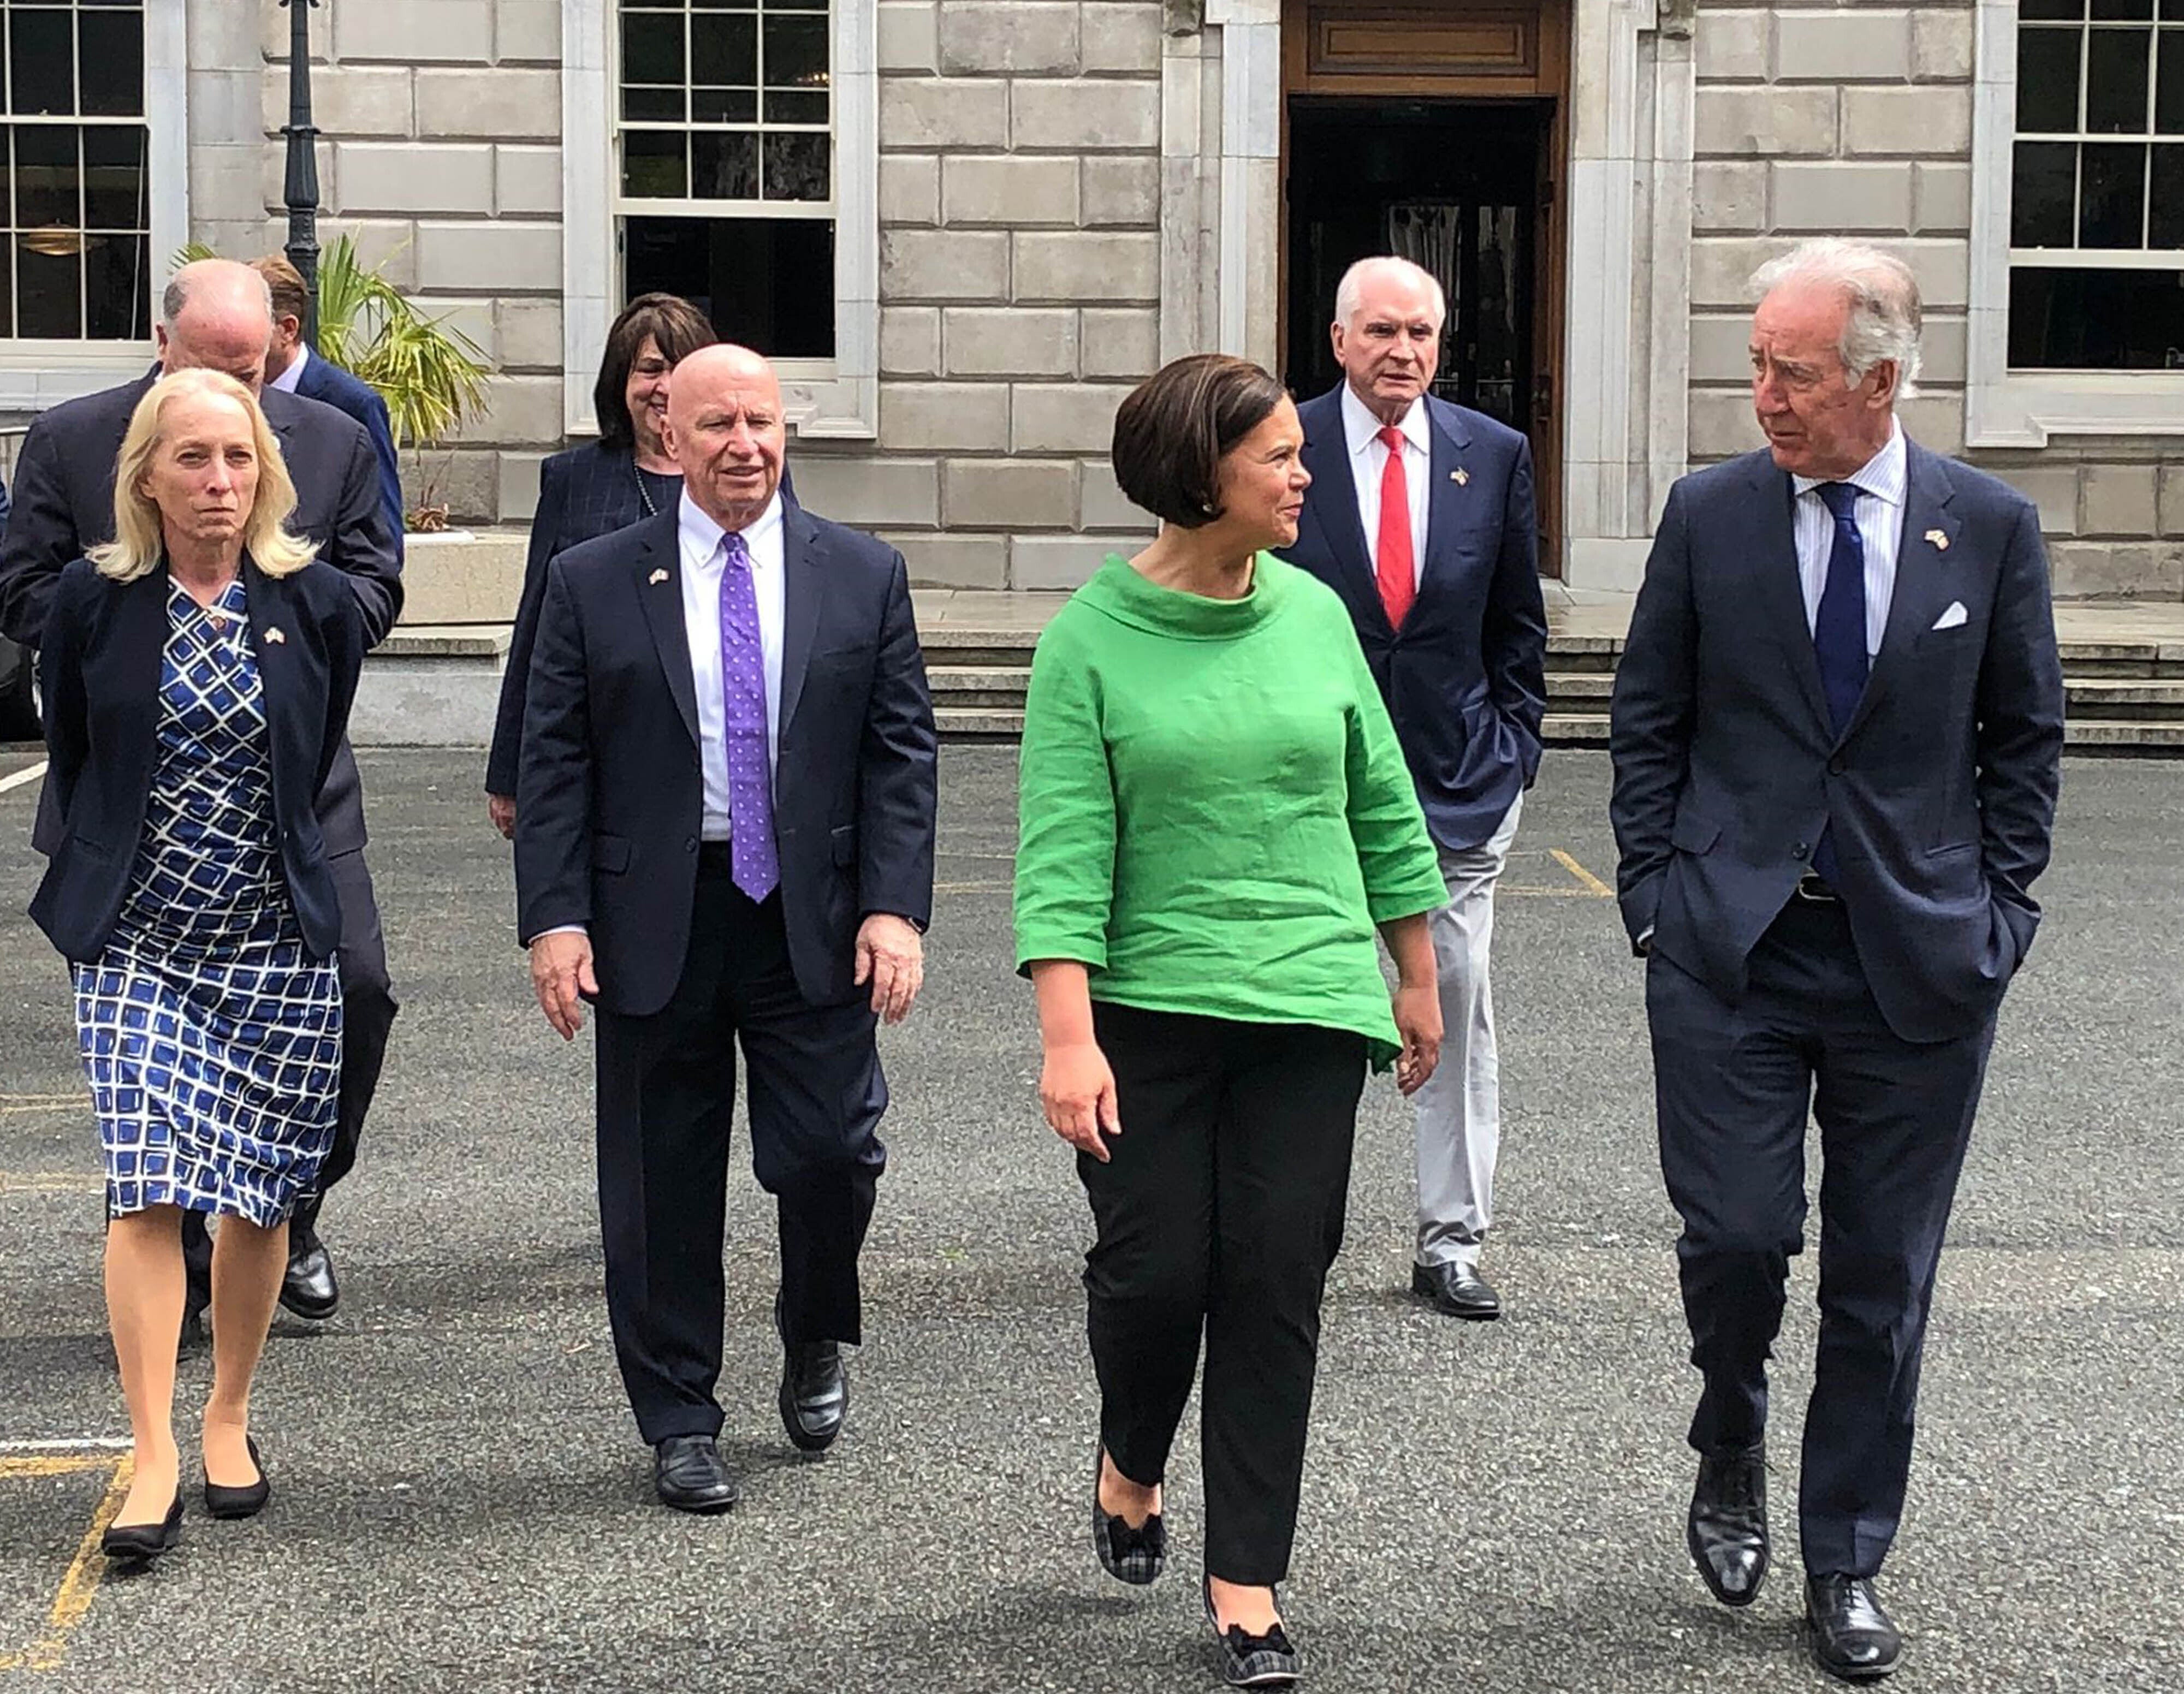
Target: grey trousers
{"points": [[1459, 1109]]}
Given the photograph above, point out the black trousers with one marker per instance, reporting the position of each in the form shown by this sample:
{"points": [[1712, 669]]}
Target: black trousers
{"points": [[1733, 1085], [1219, 1213], [666, 1093], [368, 1009]]}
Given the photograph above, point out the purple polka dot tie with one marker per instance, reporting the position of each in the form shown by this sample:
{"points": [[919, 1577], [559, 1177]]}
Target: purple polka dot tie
{"points": [[757, 864]]}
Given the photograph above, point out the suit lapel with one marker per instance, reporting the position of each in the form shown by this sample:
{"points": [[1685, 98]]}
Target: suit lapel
{"points": [[1782, 592], [1922, 588], [1334, 505], [657, 572], [1447, 500], [799, 613]]}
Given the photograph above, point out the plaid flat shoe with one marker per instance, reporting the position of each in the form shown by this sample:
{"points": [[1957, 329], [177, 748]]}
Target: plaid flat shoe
{"points": [[1250, 1661], [1131, 1555]]}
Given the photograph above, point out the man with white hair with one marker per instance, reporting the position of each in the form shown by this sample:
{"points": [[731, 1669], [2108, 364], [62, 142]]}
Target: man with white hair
{"points": [[1420, 515], [1837, 738], [218, 315]]}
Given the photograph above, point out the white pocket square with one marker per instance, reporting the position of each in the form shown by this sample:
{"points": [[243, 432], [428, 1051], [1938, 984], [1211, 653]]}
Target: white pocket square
{"points": [[1951, 618]]}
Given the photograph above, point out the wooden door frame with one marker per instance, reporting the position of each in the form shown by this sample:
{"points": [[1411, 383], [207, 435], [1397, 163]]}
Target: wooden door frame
{"points": [[1518, 51]]}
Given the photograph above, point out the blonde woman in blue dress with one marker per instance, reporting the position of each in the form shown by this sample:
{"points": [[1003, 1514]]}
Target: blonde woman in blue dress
{"points": [[199, 672]]}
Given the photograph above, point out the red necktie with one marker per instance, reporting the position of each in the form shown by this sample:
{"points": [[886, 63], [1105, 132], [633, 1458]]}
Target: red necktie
{"points": [[1399, 582]]}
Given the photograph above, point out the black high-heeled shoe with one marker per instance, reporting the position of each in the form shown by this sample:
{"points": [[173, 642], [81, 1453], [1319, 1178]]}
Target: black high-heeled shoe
{"points": [[247, 1502], [144, 1541]]}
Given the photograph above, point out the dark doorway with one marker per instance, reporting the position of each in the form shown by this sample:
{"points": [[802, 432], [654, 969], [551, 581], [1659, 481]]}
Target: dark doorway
{"points": [[1463, 187]]}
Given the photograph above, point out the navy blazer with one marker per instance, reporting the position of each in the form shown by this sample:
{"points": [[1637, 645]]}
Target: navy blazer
{"points": [[329, 384], [1465, 677], [1941, 792], [64, 507], [585, 492], [610, 795], [101, 673]]}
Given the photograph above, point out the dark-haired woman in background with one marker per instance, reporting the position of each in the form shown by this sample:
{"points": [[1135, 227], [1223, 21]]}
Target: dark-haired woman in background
{"points": [[625, 477], [1215, 816]]}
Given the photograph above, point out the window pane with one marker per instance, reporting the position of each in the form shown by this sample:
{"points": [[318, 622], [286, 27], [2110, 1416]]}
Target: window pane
{"points": [[2096, 319], [2173, 10], [724, 105], [45, 179], [2115, 81], [117, 286], [724, 50], [49, 285], [2042, 194], [767, 283], [653, 105], [2112, 195], [2123, 9], [2048, 81], [116, 193], [2169, 91], [651, 47], [112, 61], [2166, 227], [2052, 8], [795, 52], [796, 166], [794, 109], [42, 66], [655, 164], [726, 167]]}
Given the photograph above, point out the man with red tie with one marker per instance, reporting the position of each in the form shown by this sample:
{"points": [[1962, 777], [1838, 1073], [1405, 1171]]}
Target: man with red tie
{"points": [[1420, 516]]}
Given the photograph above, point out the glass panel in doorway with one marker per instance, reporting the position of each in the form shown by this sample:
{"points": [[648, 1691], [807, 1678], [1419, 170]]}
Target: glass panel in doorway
{"points": [[1478, 253]]}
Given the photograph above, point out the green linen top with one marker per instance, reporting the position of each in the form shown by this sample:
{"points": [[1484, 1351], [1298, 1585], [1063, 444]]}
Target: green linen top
{"points": [[1213, 809]]}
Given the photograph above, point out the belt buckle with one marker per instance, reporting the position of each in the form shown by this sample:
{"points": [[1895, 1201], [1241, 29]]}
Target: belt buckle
{"points": [[1812, 888]]}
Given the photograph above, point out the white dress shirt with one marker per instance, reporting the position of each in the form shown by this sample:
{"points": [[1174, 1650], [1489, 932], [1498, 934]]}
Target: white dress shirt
{"points": [[1368, 462], [700, 578], [1879, 514], [287, 380]]}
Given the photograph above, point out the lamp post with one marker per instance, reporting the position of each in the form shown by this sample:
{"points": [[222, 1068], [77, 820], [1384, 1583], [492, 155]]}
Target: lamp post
{"points": [[301, 190]]}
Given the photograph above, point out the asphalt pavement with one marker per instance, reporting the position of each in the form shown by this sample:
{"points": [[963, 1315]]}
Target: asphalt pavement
{"points": [[461, 1502]]}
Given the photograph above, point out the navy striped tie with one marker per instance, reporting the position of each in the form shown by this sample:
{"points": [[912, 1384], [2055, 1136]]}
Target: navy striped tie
{"points": [[1839, 629]]}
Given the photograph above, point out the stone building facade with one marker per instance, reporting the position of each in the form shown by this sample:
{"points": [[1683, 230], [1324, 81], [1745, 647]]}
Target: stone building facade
{"points": [[1029, 203]]}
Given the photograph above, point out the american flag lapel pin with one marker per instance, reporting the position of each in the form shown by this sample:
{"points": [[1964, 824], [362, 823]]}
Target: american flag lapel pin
{"points": [[656, 578], [1940, 537], [1460, 476], [274, 635]]}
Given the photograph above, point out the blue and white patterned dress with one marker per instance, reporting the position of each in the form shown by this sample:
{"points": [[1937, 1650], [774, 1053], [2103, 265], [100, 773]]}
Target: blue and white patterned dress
{"points": [[211, 1039]]}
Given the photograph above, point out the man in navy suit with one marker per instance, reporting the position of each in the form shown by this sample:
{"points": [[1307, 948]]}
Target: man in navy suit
{"points": [[724, 839], [292, 368], [1420, 516], [1837, 738]]}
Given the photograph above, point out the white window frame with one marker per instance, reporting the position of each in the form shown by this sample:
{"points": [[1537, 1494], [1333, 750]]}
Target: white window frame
{"points": [[35, 374], [2007, 408], [834, 398]]}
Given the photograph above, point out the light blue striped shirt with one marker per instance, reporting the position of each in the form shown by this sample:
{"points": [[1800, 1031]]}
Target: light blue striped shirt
{"points": [[1879, 517]]}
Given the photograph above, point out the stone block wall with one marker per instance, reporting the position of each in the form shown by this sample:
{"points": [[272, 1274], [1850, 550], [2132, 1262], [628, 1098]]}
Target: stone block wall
{"points": [[1855, 118]]}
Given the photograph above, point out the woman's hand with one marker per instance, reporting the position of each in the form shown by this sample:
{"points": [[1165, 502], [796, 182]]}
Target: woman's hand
{"points": [[1077, 1089], [1417, 1021]]}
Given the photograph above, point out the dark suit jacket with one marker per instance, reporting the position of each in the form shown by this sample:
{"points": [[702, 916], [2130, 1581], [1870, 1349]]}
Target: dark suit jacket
{"points": [[609, 793], [329, 385], [64, 507], [585, 492], [101, 670], [1941, 793], [1464, 679]]}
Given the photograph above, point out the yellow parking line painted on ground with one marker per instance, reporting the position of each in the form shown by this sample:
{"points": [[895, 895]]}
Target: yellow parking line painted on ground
{"points": [[12, 1465], [10, 1100], [79, 1586], [1591, 884], [970, 888], [21, 778], [50, 1182]]}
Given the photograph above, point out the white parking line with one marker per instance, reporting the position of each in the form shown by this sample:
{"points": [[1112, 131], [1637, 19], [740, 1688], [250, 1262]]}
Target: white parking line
{"points": [[32, 775]]}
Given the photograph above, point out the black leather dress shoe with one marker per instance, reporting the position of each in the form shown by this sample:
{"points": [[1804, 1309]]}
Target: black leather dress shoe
{"points": [[247, 1502], [1853, 1637], [688, 1474], [1456, 1290], [815, 1393], [308, 1287], [143, 1541], [1727, 1529]]}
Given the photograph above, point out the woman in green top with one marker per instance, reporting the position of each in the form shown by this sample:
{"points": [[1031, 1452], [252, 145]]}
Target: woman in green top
{"points": [[1215, 816]]}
